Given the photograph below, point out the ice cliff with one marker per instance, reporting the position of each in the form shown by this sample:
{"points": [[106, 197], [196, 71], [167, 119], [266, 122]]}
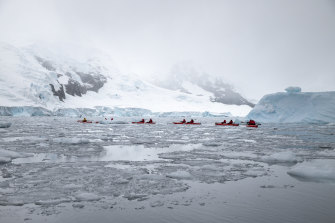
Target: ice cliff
{"points": [[295, 106]]}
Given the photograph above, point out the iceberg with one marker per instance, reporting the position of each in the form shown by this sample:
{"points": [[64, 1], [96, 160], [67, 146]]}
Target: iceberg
{"points": [[295, 106]]}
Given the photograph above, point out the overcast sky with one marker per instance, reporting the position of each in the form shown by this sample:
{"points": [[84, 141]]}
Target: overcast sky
{"points": [[260, 46]]}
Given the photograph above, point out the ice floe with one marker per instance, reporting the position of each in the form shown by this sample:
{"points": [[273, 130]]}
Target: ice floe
{"points": [[315, 170], [7, 155], [281, 157]]}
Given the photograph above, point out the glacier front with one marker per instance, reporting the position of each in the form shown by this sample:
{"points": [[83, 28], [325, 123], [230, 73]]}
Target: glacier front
{"points": [[295, 106]]}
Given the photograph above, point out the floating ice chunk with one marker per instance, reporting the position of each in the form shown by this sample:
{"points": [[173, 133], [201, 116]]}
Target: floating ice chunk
{"points": [[281, 157], [85, 196], [71, 141], [142, 153], [315, 170], [53, 201], [7, 156], [180, 174], [156, 204], [5, 124], [78, 205], [133, 196], [11, 203]]}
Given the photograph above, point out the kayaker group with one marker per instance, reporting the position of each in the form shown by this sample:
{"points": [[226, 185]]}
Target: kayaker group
{"points": [[250, 123]]}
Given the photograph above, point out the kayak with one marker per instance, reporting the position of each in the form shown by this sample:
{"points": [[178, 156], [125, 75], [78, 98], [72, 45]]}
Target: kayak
{"points": [[150, 123], [81, 121], [226, 124], [179, 123], [253, 126]]}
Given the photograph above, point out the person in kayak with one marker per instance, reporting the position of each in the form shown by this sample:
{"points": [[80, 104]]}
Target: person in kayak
{"points": [[224, 122], [191, 122], [142, 120], [251, 122], [230, 122], [84, 120], [150, 121], [184, 121]]}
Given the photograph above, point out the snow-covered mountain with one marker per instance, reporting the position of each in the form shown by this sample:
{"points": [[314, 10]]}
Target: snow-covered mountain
{"points": [[295, 106], [65, 77], [185, 78]]}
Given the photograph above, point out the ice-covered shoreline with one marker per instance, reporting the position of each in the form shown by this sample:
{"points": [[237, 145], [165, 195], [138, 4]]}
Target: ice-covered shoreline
{"points": [[100, 111]]}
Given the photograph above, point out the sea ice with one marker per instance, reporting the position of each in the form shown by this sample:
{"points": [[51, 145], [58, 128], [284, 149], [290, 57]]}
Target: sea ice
{"points": [[281, 157], [71, 141], [317, 170], [85, 196], [180, 174], [7, 155]]}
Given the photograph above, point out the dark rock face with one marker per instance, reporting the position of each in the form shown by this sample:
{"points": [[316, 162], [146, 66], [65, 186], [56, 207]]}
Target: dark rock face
{"points": [[94, 81], [74, 88], [224, 93], [91, 81], [60, 93]]}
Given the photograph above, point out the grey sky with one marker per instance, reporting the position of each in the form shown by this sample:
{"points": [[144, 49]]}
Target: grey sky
{"points": [[260, 46]]}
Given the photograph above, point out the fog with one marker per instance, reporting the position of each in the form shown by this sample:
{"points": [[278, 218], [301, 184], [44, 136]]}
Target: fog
{"points": [[259, 46]]}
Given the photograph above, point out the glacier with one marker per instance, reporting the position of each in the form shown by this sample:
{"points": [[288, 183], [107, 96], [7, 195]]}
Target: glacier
{"points": [[100, 111], [62, 77], [295, 106]]}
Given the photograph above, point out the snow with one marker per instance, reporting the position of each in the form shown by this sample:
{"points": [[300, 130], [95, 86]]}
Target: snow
{"points": [[318, 169], [295, 106], [26, 82]]}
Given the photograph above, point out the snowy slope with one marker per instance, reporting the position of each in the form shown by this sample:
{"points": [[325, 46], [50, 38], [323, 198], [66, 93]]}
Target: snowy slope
{"points": [[185, 78], [295, 106], [65, 77]]}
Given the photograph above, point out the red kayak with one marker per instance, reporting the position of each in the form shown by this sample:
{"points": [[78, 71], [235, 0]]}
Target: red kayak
{"points": [[150, 123], [81, 121], [187, 123], [226, 124], [253, 126]]}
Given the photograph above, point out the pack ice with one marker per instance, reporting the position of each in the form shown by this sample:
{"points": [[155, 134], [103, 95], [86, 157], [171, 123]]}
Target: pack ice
{"points": [[295, 106]]}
